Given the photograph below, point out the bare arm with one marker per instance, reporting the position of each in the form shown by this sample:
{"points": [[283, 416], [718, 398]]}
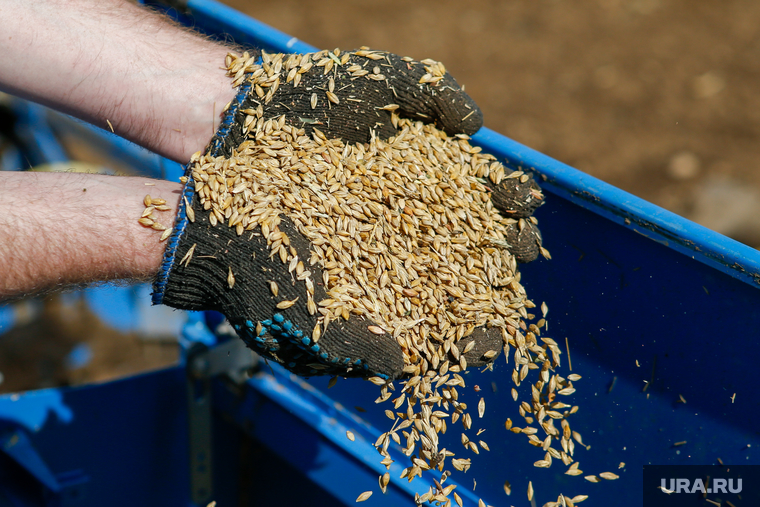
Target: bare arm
{"points": [[159, 85], [62, 229]]}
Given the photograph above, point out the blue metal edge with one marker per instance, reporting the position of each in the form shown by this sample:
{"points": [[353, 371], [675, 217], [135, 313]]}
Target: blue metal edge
{"points": [[214, 16], [691, 239], [331, 420]]}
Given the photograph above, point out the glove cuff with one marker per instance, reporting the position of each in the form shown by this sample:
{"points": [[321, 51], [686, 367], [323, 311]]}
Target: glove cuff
{"points": [[218, 145], [180, 224]]}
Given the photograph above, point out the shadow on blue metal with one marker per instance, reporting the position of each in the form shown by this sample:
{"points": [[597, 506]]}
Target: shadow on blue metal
{"points": [[659, 315]]}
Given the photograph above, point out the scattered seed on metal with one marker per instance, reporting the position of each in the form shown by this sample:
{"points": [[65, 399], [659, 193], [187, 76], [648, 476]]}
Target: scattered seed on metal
{"points": [[350, 435]]}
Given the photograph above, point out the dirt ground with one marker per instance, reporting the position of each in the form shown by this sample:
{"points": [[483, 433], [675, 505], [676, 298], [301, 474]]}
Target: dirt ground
{"points": [[657, 97]]}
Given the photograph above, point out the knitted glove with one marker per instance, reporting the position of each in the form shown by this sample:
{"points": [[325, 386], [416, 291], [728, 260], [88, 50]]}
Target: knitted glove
{"points": [[207, 267], [518, 197]]}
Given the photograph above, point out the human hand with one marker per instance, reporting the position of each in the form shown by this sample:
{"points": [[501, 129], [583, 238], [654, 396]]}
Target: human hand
{"points": [[346, 95], [263, 298], [354, 95]]}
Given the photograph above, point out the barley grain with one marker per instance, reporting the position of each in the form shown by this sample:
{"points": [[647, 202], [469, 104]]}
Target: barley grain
{"points": [[364, 496]]}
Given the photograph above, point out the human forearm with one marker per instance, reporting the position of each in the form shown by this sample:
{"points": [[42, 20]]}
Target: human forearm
{"points": [[62, 229], [113, 61]]}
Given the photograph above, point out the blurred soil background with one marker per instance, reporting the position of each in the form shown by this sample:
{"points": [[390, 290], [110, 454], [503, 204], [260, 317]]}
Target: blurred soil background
{"points": [[657, 97]]}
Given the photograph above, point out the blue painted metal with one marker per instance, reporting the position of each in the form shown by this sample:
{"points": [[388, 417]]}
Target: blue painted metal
{"points": [[17, 445], [627, 210], [11, 159], [123, 443], [7, 318], [215, 18], [645, 299], [33, 129], [315, 441], [125, 152], [32, 410]]}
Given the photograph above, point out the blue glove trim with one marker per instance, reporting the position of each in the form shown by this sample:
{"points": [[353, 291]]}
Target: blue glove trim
{"points": [[278, 328], [188, 192], [180, 222]]}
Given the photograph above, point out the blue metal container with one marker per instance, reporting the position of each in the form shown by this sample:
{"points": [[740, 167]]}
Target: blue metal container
{"points": [[661, 317]]}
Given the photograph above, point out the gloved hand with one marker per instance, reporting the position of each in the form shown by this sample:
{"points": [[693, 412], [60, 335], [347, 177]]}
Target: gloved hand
{"points": [[347, 96], [518, 198]]}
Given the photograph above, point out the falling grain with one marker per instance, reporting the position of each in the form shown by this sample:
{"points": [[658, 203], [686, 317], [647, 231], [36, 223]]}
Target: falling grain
{"points": [[364, 496], [400, 229]]}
